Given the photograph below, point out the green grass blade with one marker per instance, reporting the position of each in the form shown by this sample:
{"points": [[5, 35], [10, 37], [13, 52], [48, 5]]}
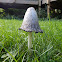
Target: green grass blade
{"points": [[10, 54]]}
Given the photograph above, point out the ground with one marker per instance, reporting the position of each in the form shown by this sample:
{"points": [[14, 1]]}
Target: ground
{"points": [[47, 46]]}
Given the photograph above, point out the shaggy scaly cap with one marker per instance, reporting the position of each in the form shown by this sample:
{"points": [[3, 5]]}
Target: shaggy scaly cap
{"points": [[30, 21]]}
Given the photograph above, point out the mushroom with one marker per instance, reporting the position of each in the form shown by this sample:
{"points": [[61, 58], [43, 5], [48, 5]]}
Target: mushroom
{"points": [[30, 24]]}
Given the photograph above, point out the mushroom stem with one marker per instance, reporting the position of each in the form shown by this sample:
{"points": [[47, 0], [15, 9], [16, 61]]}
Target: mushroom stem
{"points": [[29, 40]]}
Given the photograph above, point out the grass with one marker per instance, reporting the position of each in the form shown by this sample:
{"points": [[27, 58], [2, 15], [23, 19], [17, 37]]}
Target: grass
{"points": [[47, 46]]}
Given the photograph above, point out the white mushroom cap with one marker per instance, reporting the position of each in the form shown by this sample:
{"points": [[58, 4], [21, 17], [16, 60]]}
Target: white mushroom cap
{"points": [[30, 21]]}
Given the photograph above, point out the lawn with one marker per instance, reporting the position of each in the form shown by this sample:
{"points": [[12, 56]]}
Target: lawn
{"points": [[47, 46]]}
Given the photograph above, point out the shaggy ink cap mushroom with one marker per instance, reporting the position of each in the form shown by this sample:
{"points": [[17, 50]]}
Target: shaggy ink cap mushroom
{"points": [[30, 24], [30, 21]]}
